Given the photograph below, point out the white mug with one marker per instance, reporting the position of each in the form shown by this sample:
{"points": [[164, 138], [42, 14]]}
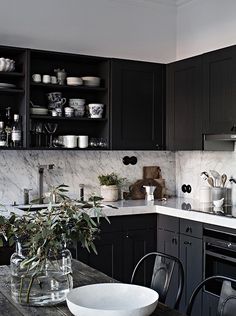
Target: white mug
{"points": [[70, 141], [83, 141], [53, 79], [36, 77], [46, 79]]}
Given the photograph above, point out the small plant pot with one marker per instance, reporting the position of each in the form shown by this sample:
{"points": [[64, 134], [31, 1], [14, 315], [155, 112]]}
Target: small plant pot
{"points": [[110, 193]]}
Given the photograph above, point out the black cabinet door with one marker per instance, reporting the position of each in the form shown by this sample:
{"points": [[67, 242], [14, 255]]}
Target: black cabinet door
{"points": [[110, 255], [137, 105], [191, 257], [219, 90], [137, 243], [168, 243], [184, 105]]}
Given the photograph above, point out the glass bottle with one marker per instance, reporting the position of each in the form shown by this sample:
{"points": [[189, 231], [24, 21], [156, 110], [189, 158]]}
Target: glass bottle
{"points": [[8, 126], [3, 135], [16, 131]]}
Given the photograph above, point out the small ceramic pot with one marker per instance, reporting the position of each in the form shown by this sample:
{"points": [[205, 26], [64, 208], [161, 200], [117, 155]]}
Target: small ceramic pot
{"points": [[110, 193], [96, 110]]}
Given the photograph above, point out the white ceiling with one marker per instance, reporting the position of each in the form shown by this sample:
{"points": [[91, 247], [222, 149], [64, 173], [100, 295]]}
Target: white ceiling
{"points": [[175, 3]]}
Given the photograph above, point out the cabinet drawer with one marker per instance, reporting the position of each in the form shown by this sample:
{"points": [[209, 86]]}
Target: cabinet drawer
{"points": [[191, 228], [168, 223]]}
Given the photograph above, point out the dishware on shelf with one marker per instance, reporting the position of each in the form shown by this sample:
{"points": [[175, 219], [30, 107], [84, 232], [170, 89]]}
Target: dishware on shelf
{"points": [[54, 96], [113, 299], [96, 110], [98, 142], [38, 129], [53, 79], [76, 102], [61, 76], [83, 141], [4, 85], [39, 111], [46, 79], [37, 78], [91, 81], [7, 64], [78, 105], [70, 141], [74, 81], [51, 129], [69, 111]]}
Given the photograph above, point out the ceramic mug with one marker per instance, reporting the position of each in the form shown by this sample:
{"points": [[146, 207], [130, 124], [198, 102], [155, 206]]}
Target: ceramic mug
{"points": [[54, 96], [46, 79], [53, 79], [82, 141], [69, 112], [36, 78], [70, 141], [96, 110]]}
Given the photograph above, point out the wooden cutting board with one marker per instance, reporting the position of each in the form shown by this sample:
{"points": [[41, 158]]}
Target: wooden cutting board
{"points": [[151, 172]]}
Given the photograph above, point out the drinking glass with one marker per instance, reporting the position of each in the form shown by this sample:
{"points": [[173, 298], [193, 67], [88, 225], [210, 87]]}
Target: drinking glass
{"points": [[51, 129]]}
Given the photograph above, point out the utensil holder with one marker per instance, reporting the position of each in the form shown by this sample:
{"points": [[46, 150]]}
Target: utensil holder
{"points": [[218, 193]]}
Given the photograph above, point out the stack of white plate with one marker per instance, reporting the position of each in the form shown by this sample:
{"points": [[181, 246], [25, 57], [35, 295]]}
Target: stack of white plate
{"points": [[39, 111], [74, 81]]}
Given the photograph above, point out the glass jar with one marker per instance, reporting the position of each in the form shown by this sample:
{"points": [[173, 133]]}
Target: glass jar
{"points": [[44, 281]]}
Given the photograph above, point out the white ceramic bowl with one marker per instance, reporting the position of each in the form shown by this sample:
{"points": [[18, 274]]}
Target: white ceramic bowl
{"points": [[112, 299], [74, 81], [91, 81]]}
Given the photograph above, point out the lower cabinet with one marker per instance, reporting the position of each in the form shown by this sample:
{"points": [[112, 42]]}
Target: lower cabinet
{"points": [[121, 245], [209, 304], [191, 256]]}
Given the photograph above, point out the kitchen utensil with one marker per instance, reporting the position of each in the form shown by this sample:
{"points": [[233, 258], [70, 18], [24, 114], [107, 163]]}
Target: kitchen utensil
{"points": [[215, 175], [204, 175], [218, 203], [74, 81], [113, 299], [91, 81], [223, 179], [36, 78], [83, 141], [210, 181], [51, 129], [96, 110]]}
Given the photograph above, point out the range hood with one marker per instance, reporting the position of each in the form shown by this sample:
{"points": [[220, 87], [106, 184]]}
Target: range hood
{"points": [[219, 142]]}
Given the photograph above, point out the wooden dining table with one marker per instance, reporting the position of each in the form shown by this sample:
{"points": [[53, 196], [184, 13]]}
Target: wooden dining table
{"points": [[82, 275]]}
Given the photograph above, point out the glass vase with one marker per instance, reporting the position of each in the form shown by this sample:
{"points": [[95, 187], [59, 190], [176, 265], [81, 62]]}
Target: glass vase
{"points": [[43, 283]]}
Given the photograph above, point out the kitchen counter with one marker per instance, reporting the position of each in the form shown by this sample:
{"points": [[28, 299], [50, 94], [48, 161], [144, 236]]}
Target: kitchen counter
{"points": [[177, 207]]}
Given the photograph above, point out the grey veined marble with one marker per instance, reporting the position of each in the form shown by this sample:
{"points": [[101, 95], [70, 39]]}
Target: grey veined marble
{"points": [[19, 170]]}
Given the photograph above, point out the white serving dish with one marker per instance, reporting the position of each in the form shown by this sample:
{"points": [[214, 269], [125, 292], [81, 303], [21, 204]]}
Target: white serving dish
{"points": [[112, 299], [91, 81], [39, 111], [74, 81]]}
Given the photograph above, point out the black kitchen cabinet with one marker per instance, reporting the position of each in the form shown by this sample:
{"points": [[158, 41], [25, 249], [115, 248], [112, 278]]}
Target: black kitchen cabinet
{"points": [[219, 94], [120, 246], [209, 304], [190, 254], [184, 105], [137, 105], [168, 243]]}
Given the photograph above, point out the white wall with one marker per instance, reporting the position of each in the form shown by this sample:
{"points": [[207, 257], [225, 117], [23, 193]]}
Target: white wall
{"points": [[205, 25], [133, 29]]}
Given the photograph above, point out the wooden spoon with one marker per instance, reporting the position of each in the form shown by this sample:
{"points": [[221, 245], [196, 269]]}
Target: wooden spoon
{"points": [[210, 181], [223, 179]]}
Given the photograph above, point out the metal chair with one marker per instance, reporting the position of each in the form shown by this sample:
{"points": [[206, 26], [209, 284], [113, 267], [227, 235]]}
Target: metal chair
{"points": [[162, 273], [227, 300]]}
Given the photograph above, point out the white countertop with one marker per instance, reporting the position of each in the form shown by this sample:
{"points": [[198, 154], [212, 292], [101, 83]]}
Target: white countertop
{"points": [[177, 207]]}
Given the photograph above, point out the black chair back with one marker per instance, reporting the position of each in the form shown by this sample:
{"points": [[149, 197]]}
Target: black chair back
{"points": [[162, 273], [227, 301]]}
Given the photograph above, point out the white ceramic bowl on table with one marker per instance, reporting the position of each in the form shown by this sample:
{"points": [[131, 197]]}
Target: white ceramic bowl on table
{"points": [[112, 299], [91, 81]]}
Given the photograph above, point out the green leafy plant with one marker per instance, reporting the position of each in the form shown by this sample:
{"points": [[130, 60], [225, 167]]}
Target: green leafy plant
{"points": [[111, 179], [42, 232]]}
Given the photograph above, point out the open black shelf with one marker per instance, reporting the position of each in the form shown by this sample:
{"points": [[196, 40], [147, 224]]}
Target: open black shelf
{"points": [[66, 87], [61, 118], [11, 90], [11, 74]]}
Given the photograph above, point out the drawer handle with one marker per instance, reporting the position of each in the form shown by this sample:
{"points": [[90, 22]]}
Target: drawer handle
{"points": [[174, 241], [188, 243], [189, 230]]}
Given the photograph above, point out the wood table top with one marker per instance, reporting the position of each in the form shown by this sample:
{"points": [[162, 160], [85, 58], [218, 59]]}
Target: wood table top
{"points": [[82, 275]]}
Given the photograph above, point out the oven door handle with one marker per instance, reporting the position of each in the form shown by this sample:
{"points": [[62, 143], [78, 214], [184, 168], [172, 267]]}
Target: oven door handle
{"points": [[217, 255]]}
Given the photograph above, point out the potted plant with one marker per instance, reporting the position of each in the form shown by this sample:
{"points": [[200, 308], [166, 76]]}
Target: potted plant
{"points": [[110, 185], [41, 271]]}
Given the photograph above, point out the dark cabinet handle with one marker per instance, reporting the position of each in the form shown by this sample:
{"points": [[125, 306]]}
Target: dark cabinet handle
{"points": [[157, 146], [189, 230], [188, 243], [174, 241], [127, 235]]}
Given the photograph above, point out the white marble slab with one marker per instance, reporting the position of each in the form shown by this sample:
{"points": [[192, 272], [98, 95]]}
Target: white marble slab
{"points": [[18, 170]]}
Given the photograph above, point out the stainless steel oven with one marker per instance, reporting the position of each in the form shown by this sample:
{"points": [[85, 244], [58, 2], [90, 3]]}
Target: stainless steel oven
{"points": [[219, 257]]}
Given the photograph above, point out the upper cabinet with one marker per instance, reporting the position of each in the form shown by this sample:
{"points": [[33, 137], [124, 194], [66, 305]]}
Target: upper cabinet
{"points": [[184, 105], [219, 82], [137, 103]]}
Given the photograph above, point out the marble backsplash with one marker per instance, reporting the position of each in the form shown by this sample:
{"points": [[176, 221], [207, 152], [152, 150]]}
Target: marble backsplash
{"points": [[190, 164], [18, 170]]}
